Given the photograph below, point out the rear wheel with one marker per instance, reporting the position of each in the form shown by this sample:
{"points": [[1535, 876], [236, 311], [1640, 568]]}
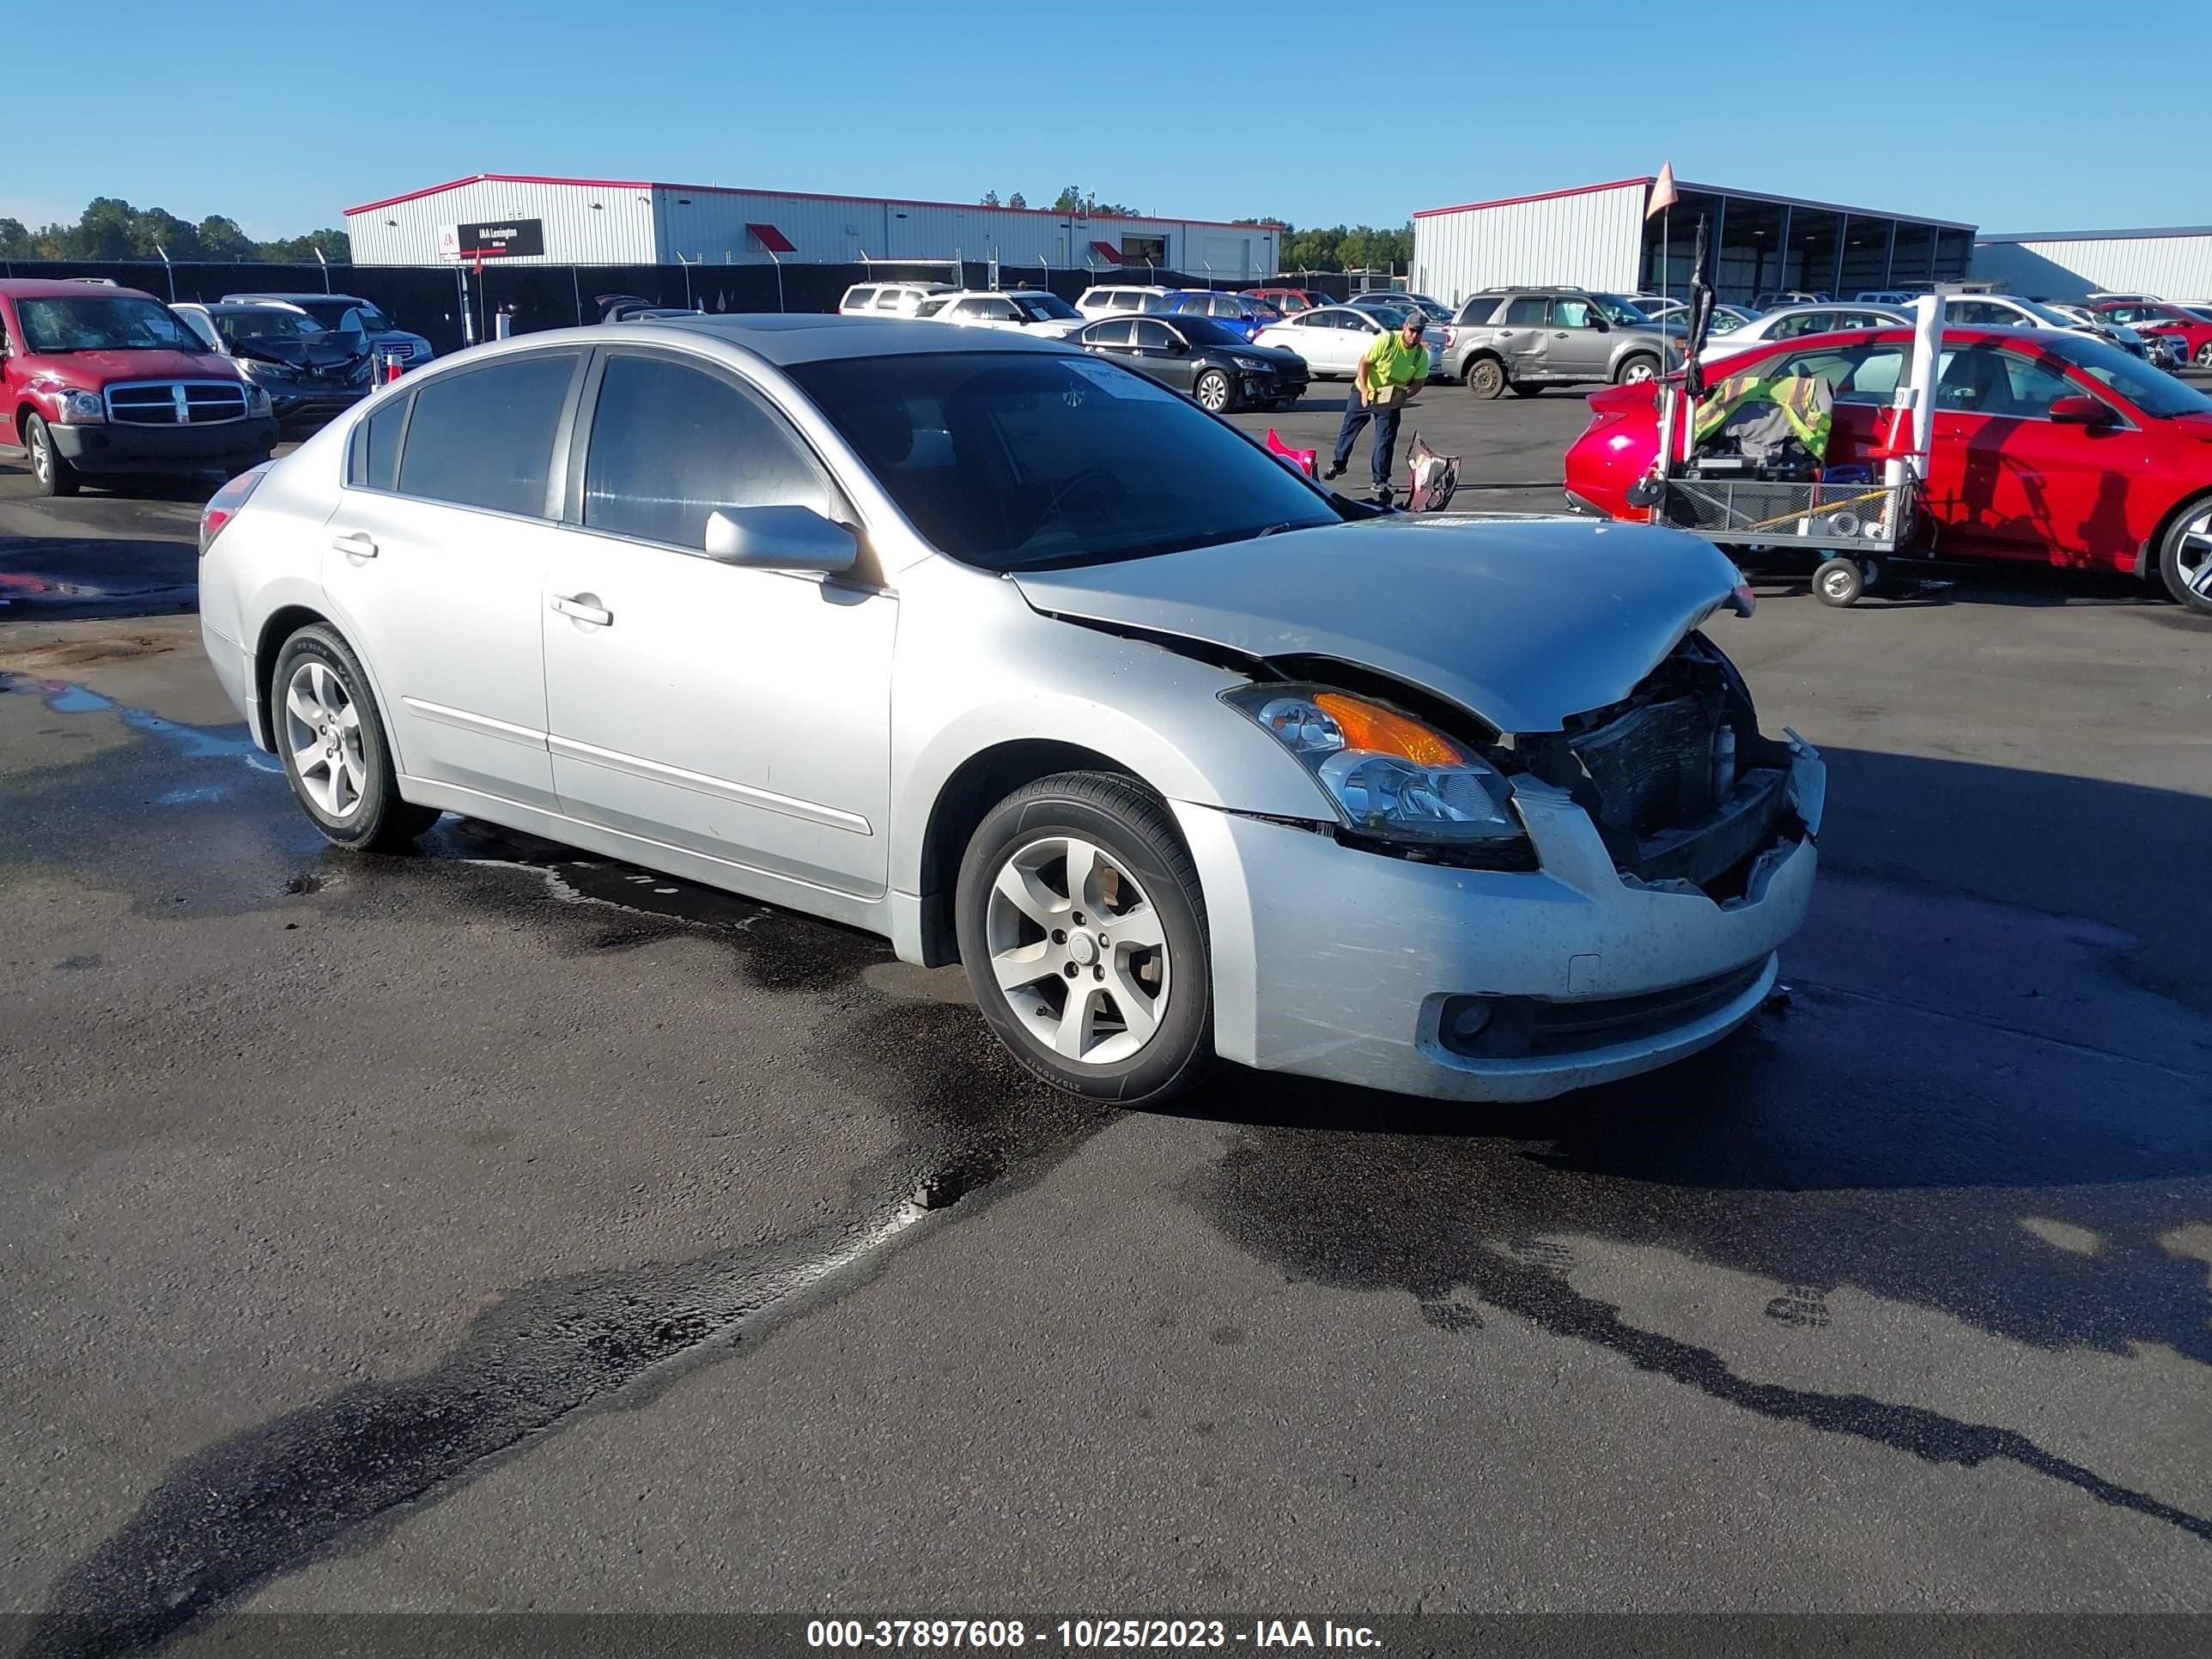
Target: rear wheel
{"points": [[50, 470], [2205, 355], [1486, 377], [332, 743], [2185, 557], [1838, 582], [1636, 368], [1212, 391], [1082, 928]]}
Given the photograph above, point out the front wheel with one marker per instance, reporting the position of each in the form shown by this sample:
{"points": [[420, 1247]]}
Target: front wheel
{"points": [[50, 470], [1083, 930], [2203, 358], [2185, 558], [332, 743], [1636, 368], [1485, 377], [1212, 391]]}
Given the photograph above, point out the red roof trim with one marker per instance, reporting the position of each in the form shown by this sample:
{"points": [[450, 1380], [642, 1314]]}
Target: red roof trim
{"points": [[773, 239], [1107, 251], [1542, 195], [796, 195]]}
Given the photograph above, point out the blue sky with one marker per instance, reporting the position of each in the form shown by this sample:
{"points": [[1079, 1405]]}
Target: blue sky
{"points": [[2016, 117]]}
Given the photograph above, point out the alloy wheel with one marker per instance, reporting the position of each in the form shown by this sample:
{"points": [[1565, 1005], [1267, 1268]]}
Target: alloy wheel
{"points": [[2193, 557], [1637, 372], [2205, 355], [322, 729], [42, 457], [1078, 950], [1213, 394]]}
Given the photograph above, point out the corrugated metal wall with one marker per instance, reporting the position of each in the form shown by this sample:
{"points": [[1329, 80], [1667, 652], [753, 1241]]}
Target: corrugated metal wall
{"points": [[593, 224], [662, 224], [1591, 238], [2178, 267]]}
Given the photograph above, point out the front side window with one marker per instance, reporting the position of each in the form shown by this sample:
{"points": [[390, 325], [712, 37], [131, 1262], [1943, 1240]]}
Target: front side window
{"points": [[1572, 313], [1987, 379], [1026, 462], [485, 438], [103, 322], [669, 444], [1155, 336], [1855, 374]]}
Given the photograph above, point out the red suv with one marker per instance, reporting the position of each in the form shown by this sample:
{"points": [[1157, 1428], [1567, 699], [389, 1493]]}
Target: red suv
{"points": [[2049, 447], [98, 381]]}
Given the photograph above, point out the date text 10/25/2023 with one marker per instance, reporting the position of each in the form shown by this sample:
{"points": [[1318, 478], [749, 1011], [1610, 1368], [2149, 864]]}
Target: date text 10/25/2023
{"points": [[1087, 1634]]}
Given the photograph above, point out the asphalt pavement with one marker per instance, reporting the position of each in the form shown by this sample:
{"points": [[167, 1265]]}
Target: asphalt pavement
{"points": [[499, 1227]]}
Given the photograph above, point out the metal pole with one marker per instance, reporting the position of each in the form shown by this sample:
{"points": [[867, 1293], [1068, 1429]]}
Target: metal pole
{"points": [[1665, 251], [169, 271], [325, 264], [576, 288]]}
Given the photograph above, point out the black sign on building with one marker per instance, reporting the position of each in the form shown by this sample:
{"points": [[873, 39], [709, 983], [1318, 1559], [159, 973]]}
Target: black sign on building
{"points": [[515, 237]]}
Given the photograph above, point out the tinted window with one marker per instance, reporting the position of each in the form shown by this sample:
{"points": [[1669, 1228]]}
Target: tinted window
{"points": [[376, 447], [1116, 333], [859, 296], [1014, 461], [671, 444], [1158, 335], [485, 438], [888, 300], [1529, 308], [1130, 301]]}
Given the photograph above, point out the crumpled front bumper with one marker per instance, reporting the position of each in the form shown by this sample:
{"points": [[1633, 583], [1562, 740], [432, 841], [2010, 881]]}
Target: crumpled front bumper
{"points": [[1334, 962]]}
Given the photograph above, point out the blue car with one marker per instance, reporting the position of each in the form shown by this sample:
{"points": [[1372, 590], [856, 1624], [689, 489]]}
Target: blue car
{"points": [[1241, 312]]}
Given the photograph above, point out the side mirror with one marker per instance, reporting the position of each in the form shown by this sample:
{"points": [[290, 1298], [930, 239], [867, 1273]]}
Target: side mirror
{"points": [[2081, 411], [779, 538], [1599, 323]]}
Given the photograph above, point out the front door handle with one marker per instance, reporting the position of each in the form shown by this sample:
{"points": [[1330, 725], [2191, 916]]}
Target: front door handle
{"points": [[356, 544], [582, 610]]}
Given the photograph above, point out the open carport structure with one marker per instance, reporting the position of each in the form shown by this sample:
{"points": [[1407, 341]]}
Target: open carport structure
{"points": [[1598, 236]]}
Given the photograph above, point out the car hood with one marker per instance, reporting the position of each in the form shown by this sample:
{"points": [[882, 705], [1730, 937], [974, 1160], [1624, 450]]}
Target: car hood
{"points": [[1523, 621], [325, 351], [91, 370]]}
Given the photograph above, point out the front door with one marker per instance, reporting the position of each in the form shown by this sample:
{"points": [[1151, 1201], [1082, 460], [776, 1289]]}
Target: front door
{"points": [[11, 378], [1579, 341], [1161, 353], [435, 560], [741, 713]]}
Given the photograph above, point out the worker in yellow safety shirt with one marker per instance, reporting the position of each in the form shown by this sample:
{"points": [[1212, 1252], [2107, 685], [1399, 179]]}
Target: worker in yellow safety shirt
{"points": [[1392, 370]]}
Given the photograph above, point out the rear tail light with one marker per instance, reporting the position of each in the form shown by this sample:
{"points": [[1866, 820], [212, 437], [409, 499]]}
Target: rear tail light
{"points": [[223, 506], [1451, 336]]}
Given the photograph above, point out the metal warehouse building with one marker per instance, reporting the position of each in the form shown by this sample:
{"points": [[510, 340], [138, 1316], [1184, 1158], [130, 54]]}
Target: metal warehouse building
{"points": [[1596, 236], [2068, 264], [616, 221]]}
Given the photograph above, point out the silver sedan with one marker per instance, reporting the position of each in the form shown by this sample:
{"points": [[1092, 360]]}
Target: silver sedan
{"points": [[1016, 657]]}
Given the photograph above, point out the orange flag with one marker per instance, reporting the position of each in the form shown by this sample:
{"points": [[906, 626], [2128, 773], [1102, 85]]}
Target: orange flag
{"points": [[1662, 189]]}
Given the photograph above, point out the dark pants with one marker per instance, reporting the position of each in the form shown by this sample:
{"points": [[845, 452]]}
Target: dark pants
{"points": [[1357, 414]]}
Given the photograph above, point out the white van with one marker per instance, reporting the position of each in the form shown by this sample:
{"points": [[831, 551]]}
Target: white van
{"points": [[889, 299], [1118, 300]]}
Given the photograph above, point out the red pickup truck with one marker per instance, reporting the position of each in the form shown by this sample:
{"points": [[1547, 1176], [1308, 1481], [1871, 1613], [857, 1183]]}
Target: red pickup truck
{"points": [[98, 381]]}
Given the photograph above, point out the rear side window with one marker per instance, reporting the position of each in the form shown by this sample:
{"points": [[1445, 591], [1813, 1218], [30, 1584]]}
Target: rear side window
{"points": [[669, 444], [375, 464], [485, 438], [1529, 308], [859, 296]]}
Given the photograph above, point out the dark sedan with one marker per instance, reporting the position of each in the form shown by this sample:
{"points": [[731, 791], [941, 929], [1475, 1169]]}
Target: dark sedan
{"points": [[1208, 358]]}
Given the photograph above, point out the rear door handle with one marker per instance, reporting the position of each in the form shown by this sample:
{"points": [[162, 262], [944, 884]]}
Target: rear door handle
{"points": [[356, 544], [583, 611]]}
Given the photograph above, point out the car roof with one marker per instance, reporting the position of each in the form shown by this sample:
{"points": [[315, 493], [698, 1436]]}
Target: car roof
{"points": [[63, 288], [296, 296], [786, 338]]}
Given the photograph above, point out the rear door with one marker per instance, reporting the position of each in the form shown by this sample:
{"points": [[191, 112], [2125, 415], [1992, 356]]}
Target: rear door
{"points": [[743, 715], [1524, 337], [436, 559]]}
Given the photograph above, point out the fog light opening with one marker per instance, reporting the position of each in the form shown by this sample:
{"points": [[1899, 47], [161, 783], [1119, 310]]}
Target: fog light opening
{"points": [[1465, 1019]]}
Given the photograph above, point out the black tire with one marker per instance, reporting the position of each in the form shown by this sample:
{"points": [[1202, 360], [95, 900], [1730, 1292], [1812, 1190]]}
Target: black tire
{"points": [[1838, 582], [1527, 389], [50, 469], [378, 821], [2203, 358], [2185, 556], [1486, 377], [1637, 366], [1132, 829], [1214, 392]]}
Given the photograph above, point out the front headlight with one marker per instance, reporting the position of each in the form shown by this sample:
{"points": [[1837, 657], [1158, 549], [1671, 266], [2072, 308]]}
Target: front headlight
{"points": [[1390, 776], [255, 370], [257, 401], [1251, 365], [79, 408]]}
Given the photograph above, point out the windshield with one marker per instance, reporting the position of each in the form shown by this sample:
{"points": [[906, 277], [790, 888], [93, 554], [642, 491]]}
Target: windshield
{"points": [[1043, 308], [2045, 315], [1617, 312], [97, 323], [2153, 390], [265, 323], [1210, 330], [1019, 461]]}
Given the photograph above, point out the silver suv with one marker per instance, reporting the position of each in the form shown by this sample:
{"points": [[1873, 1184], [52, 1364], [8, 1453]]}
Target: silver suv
{"points": [[1532, 338]]}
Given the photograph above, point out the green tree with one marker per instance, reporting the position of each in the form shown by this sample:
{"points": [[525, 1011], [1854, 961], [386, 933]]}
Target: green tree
{"points": [[1017, 200], [103, 233], [990, 198], [15, 241], [222, 238]]}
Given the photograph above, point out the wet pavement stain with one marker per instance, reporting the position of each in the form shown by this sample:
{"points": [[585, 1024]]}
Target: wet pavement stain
{"points": [[327, 1476]]}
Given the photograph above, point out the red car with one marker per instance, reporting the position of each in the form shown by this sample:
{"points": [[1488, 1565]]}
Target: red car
{"points": [[2191, 334], [2051, 448], [98, 381], [1289, 301]]}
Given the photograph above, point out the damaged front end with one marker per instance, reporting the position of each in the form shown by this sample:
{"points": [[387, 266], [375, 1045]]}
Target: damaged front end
{"points": [[1684, 790]]}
